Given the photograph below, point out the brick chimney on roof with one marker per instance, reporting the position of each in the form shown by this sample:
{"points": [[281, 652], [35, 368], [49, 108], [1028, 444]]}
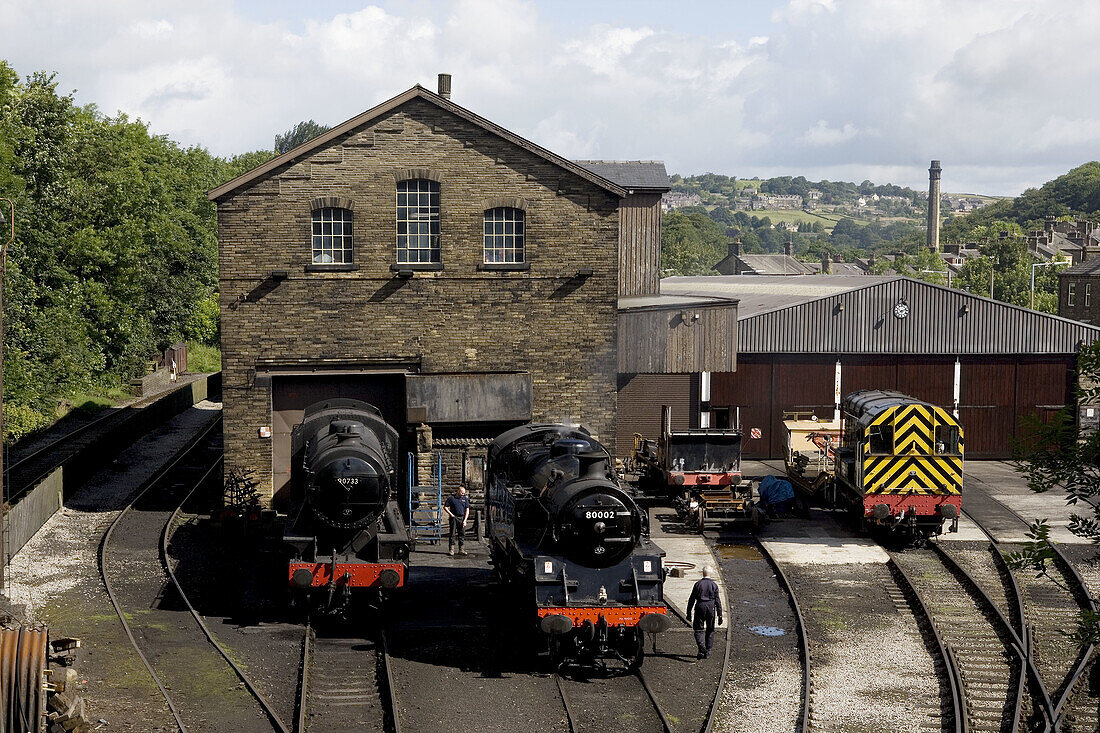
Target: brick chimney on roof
{"points": [[444, 85]]}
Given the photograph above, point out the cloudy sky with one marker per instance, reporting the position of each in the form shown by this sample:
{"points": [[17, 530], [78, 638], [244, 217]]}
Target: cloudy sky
{"points": [[1002, 91]]}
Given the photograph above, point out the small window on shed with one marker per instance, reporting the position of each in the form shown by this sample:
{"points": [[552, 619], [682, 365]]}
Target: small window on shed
{"points": [[881, 439], [331, 236], [1088, 292], [1071, 292], [504, 235]]}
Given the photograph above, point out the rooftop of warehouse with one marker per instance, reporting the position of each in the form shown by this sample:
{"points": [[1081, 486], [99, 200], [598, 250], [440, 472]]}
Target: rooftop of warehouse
{"points": [[762, 293]]}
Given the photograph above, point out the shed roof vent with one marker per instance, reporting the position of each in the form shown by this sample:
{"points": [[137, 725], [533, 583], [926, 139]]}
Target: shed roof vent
{"points": [[445, 86]]}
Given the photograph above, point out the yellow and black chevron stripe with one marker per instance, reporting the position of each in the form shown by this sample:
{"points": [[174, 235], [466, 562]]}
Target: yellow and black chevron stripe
{"points": [[914, 466], [912, 474]]}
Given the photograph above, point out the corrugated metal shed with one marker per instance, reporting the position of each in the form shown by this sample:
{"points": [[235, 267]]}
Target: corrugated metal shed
{"points": [[822, 314]]}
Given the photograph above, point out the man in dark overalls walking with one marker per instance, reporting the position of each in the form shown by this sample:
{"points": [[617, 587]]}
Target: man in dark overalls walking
{"points": [[707, 604]]}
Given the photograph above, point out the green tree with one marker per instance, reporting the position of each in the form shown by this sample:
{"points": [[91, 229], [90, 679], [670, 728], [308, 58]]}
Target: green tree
{"points": [[115, 255], [301, 133], [691, 243], [1005, 262]]}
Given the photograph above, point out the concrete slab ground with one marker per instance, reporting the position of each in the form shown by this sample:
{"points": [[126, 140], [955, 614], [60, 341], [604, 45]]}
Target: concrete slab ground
{"points": [[682, 545], [1000, 482], [811, 542], [968, 532], [759, 469]]}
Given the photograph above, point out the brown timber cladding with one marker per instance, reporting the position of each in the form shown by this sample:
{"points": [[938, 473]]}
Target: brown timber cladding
{"points": [[683, 339], [640, 244], [996, 392], [548, 321]]}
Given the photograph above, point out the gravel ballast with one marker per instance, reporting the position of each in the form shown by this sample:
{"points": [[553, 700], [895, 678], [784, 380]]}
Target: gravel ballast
{"points": [[55, 579]]}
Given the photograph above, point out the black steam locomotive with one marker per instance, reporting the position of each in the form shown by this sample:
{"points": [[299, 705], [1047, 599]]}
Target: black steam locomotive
{"points": [[563, 529], [347, 531]]}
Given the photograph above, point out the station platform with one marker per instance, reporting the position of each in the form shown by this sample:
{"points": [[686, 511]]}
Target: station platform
{"points": [[684, 548]]}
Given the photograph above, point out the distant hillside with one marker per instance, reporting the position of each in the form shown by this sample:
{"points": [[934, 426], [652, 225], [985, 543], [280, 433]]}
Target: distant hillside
{"points": [[712, 185], [1074, 194]]}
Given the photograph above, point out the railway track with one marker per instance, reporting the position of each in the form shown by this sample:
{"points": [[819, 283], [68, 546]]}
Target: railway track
{"points": [[955, 715], [29, 469], [803, 725], [616, 702], [990, 647], [192, 672], [1052, 605], [860, 597], [346, 684]]}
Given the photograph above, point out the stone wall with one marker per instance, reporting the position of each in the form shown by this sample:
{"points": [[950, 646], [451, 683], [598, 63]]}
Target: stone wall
{"points": [[1083, 285], [549, 320]]}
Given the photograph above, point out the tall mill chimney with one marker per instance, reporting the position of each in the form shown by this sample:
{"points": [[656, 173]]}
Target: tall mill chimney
{"points": [[445, 86], [934, 206]]}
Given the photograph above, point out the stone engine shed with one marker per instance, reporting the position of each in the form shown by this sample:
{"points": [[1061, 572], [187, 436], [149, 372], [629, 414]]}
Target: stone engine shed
{"points": [[363, 264]]}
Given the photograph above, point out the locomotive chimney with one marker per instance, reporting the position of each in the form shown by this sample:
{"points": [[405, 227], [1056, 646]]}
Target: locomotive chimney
{"points": [[593, 464], [444, 81]]}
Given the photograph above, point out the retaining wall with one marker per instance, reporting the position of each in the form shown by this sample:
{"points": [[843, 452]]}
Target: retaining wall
{"points": [[33, 508]]}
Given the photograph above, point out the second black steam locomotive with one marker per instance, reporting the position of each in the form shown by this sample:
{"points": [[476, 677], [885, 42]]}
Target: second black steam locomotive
{"points": [[347, 532], [563, 529]]}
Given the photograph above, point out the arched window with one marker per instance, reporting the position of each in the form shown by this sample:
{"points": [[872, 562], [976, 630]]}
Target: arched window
{"points": [[504, 235], [332, 236], [417, 221]]}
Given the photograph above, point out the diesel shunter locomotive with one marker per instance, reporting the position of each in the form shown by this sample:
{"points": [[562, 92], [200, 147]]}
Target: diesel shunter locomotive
{"points": [[346, 533], [571, 538], [900, 462]]}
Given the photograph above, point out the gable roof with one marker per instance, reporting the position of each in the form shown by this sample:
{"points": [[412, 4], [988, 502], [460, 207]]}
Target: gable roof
{"points": [[1084, 267], [776, 265], [417, 92], [637, 175], [853, 314]]}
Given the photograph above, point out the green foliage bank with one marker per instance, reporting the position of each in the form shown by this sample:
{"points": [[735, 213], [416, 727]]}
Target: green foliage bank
{"points": [[115, 251]]}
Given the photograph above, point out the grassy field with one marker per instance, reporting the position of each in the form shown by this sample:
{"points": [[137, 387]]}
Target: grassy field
{"points": [[825, 218]]}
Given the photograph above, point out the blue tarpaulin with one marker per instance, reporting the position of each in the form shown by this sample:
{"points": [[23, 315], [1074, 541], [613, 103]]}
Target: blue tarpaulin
{"points": [[775, 490]]}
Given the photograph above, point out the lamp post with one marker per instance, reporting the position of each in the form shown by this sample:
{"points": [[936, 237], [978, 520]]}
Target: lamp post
{"points": [[1041, 264], [3, 499]]}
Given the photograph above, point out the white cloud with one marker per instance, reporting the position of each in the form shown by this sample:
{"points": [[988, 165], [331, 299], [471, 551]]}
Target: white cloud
{"points": [[1000, 90], [824, 134], [151, 28]]}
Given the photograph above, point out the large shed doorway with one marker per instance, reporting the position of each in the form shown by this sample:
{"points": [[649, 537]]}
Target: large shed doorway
{"points": [[997, 394], [291, 394]]}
